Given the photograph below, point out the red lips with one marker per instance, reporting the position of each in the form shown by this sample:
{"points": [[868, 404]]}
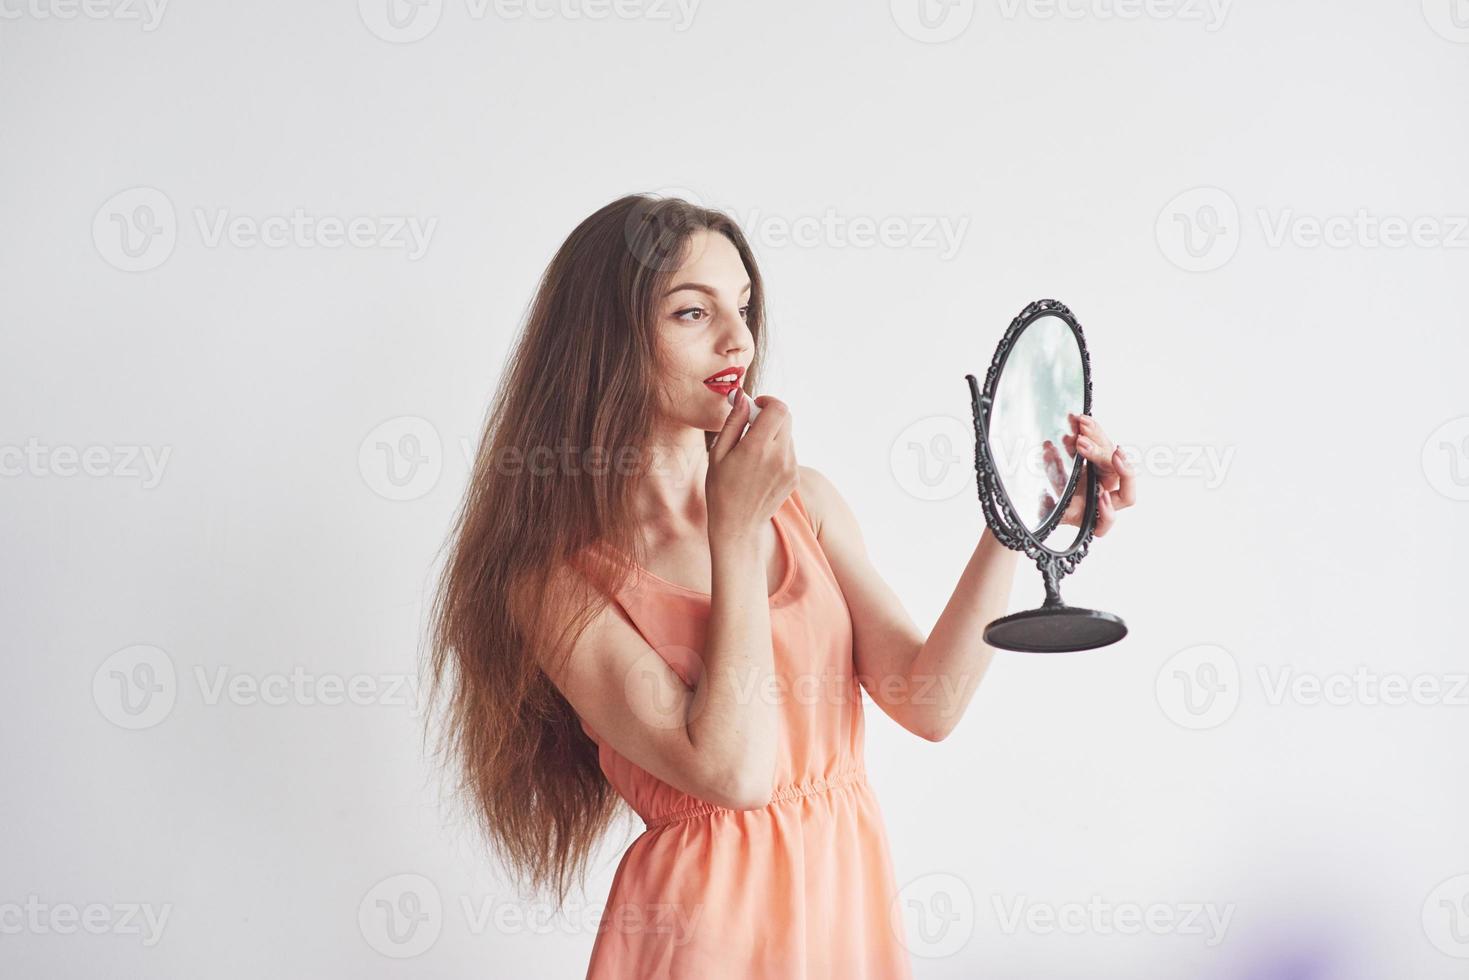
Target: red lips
{"points": [[725, 387]]}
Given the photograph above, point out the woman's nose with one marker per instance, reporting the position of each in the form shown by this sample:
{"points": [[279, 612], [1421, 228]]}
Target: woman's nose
{"points": [[737, 335]]}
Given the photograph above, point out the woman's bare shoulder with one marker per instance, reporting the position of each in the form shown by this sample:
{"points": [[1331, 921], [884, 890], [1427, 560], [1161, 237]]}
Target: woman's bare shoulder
{"points": [[816, 493]]}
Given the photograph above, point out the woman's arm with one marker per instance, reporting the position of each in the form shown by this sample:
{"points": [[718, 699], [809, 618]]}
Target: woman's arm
{"points": [[924, 684]]}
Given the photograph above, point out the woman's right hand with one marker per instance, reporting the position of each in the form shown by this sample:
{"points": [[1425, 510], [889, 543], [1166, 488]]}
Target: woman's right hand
{"points": [[750, 475]]}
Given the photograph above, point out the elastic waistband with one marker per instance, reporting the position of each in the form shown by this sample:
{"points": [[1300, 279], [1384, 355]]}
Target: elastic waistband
{"points": [[791, 791]]}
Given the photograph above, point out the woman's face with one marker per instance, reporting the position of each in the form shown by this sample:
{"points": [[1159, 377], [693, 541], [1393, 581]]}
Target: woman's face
{"points": [[701, 325]]}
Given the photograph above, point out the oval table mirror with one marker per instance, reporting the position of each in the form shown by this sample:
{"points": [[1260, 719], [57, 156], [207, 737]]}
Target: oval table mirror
{"points": [[1028, 470]]}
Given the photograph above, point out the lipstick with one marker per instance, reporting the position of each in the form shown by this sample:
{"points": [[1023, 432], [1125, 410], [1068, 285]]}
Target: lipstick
{"points": [[754, 409]]}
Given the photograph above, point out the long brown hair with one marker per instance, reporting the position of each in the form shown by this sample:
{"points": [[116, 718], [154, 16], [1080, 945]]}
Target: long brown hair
{"points": [[584, 374]]}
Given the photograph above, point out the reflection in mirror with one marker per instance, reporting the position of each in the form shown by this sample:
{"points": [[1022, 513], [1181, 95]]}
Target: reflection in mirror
{"points": [[1029, 435]]}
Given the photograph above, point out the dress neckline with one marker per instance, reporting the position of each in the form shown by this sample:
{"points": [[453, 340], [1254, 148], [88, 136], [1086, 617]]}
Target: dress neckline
{"points": [[782, 541]]}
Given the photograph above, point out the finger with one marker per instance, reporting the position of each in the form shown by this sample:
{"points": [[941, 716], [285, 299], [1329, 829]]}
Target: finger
{"points": [[1048, 504], [773, 425], [729, 433], [1088, 426], [1106, 514], [1070, 443], [1101, 460], [1126, 493]]}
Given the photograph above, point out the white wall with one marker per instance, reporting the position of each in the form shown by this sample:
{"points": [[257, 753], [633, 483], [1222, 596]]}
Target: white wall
{"points": [[1301, 510]]}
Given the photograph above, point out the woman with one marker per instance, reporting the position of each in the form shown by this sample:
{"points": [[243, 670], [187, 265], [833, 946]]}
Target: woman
{"points": [[646, 603]]}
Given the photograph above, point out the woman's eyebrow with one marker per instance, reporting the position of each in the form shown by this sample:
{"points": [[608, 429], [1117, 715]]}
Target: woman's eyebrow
{"points": [[702, 288]]}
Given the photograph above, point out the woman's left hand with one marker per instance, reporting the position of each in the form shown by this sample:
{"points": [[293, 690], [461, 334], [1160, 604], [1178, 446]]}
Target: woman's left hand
{"points": [[1115, 475]]}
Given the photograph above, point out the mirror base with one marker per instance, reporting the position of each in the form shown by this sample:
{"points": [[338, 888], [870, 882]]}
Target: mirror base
{"points": [[1055, 629]]}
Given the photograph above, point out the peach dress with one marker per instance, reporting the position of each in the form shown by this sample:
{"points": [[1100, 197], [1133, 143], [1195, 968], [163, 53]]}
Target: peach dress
{"points": [[800, 889]]}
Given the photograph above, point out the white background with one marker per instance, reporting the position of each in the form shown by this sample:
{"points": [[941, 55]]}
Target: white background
{"points": [[1300, 511]]}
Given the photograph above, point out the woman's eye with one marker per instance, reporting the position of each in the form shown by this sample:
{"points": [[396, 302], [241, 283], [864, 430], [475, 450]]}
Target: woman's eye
{"points": [[691, 309], [745, 312]]}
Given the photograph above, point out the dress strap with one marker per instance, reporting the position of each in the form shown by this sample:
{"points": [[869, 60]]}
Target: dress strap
{"points": [[801, 506]]}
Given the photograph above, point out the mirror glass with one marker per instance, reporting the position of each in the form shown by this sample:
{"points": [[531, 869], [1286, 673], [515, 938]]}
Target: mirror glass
{"points": [[1029, 435]]}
